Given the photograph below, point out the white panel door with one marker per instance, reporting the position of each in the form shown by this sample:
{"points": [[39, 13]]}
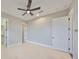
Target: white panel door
{"points": [[60, 33]]}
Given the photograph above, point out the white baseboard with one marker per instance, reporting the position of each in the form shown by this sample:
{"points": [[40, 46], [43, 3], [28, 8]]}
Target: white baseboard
{"points": [[28, 41], [44, 45], [40, 44], [14, 45]]}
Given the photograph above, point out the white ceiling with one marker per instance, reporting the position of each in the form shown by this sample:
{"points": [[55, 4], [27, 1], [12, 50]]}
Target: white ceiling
{"points": [[48, 6]]}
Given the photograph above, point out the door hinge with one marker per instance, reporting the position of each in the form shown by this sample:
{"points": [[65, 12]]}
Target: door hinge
{"points": [[68, 38], [68, 18], [68, 28], [68, 48]]}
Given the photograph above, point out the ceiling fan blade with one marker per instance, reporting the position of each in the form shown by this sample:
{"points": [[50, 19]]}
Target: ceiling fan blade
{"points": [[21, 9], [35, 9], [31, 13], [29, 4], [24, 13]]}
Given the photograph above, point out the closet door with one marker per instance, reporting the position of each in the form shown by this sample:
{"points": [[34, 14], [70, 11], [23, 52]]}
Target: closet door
{"points": [[60, 33]]}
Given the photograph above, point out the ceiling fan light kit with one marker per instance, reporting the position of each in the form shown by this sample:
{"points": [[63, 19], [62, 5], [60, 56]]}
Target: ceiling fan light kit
{"points": [[28, 10]]}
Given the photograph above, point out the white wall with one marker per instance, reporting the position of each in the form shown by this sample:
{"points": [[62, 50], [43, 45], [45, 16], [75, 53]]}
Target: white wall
{"points": [[25, 33], [39, 31], [14, 30], [47, 31], [75, 30]]}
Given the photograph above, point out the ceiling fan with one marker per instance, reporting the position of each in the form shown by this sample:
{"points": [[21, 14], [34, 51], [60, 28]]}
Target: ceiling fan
{"points": [[29, 10]]}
